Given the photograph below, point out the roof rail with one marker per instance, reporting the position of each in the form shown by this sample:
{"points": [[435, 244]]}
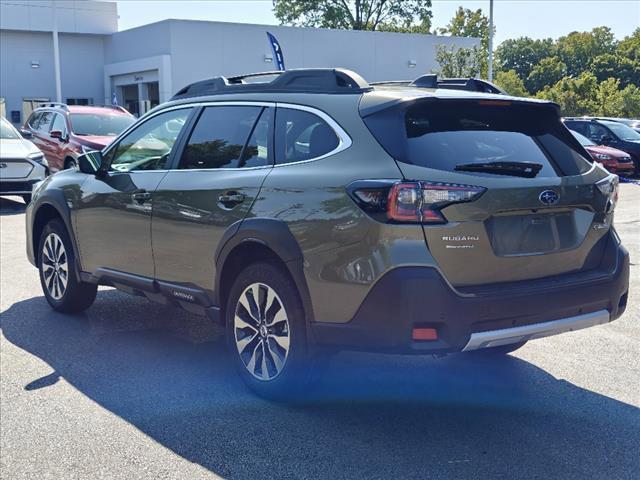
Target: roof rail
{"points": [[120, 108], [304, 80], [54, 104], [431, 80]]}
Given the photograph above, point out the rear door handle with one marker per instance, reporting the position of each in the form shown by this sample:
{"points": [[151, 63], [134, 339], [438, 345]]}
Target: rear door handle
{"points": [[231, 199], [140, 196]]}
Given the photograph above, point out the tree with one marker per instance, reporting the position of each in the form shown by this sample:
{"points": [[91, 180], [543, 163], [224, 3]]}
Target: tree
{"points": [[629, 47], [458, 62], [471, 23], [511, 83], [393, 15], [608, 99], [630, 101], [577, 49], [616, 66], [523, 54], [576, 96], [549, 71]]}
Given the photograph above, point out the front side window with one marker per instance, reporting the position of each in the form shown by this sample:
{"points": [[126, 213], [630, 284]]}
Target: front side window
{"points": [[34, 120], [148, 146], [228, 137], [59, 124], [45, 121], [301, 135], [597, 132]]}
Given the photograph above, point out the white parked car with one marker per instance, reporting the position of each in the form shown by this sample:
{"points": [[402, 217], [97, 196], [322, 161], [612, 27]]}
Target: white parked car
{"points": [[21, 163]]}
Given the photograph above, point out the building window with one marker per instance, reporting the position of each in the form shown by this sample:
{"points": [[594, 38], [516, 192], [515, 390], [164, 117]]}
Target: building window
{"points": [[79, 101]]}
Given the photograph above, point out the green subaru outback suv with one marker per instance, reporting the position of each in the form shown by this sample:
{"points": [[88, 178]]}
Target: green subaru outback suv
{"points": [[311, 211]]}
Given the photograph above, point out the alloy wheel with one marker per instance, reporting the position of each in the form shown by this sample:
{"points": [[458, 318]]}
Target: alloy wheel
{"points": [[55, 268], [261, 331]]}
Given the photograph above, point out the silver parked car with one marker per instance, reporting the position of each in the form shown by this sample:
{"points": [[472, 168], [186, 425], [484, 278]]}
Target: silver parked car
{"points": [[21, 163]]}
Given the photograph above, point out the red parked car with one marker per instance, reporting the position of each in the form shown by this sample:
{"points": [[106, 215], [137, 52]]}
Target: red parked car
{"points": [[64, 132], [614, 160]]}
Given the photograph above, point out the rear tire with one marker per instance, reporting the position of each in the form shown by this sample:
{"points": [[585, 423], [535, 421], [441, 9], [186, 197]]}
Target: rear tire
{"points": [[500, 350], [56, 261], [267, 335]]}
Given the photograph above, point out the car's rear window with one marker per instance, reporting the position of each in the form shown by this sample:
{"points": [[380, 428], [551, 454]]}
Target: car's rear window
{"points": [[444, 135]]}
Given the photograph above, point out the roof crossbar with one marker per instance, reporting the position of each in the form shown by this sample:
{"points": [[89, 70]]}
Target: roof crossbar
{"points": [[53, 104]]}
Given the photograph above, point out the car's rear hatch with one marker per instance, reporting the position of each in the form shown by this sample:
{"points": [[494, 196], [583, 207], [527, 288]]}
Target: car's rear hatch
{"points": [[538, 212]]}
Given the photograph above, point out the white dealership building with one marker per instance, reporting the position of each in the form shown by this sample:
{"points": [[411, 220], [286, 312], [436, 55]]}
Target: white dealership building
{"points": [[71, 51]]}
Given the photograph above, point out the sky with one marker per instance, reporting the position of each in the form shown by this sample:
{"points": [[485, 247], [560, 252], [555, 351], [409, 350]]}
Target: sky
{"points": [[512, 18]]}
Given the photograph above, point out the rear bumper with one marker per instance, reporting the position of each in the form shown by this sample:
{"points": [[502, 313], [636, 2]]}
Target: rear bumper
{"points": [[409, 297]]}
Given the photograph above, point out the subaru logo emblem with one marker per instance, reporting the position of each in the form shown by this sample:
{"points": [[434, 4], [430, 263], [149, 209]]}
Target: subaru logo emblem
{"points": [[549, 197], [3, 165]]}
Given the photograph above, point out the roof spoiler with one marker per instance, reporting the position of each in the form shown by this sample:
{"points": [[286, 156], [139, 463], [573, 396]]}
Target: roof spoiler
{"points": [[431, 80]]}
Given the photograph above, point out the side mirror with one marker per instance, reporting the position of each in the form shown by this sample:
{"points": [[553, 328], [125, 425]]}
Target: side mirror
{"points": [[56, 134], [26, 133], [90, 162]]}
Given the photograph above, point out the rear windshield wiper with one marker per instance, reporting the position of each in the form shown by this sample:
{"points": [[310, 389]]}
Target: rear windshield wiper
{"points": [[516, 169]]}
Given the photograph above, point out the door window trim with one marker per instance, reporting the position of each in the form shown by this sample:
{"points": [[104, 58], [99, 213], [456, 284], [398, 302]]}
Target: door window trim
{"points": [[344, 140]]}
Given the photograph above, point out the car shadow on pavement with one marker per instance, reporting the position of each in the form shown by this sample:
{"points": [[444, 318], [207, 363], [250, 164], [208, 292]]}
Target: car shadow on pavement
{"points": [[9, 206], [372, 416]]}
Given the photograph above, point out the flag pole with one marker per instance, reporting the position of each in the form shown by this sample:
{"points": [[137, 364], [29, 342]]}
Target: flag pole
{"points": [[490, 40]]}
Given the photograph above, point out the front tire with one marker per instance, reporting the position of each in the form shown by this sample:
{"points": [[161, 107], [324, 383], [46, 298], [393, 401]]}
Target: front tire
{"points": [[56, 263], [266, 332]]}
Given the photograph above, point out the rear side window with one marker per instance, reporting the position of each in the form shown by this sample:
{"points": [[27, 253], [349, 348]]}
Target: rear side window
{"points": [[302, 135], [447, 135], [218, 140]]}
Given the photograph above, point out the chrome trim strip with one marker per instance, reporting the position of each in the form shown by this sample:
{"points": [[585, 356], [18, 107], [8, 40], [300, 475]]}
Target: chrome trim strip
{"points": [[344, 140], [506, 336]]}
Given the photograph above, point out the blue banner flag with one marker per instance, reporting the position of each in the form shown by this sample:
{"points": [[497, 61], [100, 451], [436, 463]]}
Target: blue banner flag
{"points": [[277, 51]]}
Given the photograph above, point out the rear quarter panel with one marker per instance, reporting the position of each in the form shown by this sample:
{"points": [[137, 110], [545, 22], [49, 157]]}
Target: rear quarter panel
{"points": [[345, 251]]}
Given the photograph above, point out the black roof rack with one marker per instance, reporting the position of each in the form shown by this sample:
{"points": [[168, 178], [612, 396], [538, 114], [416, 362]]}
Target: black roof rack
{"points": [[431, 80], [306, 80], [53, 105]]}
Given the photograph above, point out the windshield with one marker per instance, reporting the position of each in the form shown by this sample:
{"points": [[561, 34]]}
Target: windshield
{"points": [[99, 125], [462, 135], [584, 141], [7, 132], [623, 132]]}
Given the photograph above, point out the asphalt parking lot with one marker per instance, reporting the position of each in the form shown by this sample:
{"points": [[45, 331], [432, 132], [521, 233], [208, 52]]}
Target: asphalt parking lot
{"points": [[135, 390]]}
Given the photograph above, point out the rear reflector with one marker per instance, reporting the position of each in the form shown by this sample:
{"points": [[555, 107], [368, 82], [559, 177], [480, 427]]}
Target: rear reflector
{"points": [[422, 334]]}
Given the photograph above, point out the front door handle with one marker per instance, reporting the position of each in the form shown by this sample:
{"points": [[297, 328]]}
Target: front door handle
{"points": [[231, 199], [140, 196]]}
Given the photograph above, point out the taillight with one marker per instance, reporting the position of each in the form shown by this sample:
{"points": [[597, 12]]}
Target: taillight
{"points": [[410, 202], [609, 188]]}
